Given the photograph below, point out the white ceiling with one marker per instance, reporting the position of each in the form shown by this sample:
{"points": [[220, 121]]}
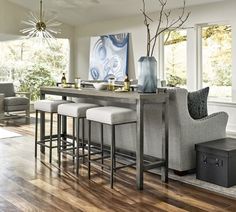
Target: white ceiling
{"points": [[76, 12]]}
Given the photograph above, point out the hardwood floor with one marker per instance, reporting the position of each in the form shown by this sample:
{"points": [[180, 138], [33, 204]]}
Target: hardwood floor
{"points": [[29, 184]]}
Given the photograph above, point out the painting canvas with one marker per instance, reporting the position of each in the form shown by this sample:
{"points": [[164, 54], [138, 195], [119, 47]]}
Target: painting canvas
{"points": [[109, 57]]}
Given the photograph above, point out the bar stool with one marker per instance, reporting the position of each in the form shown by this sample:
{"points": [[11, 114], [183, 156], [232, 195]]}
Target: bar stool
{"points": [[112, 116], [78, 112], [46, 106]]}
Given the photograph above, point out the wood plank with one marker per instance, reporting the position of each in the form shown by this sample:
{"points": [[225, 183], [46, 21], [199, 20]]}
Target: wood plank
{"points": [[20, 202], [63, 195], [26, 183], [41, 198], [7, 206]]}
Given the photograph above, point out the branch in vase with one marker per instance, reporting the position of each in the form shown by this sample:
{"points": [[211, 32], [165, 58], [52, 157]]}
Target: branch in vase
{"points": [[163, 4], [173, 25]]}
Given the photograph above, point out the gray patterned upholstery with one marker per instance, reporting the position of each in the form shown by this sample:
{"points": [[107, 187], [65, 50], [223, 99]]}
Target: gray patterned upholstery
{"points": [[197, 103]]}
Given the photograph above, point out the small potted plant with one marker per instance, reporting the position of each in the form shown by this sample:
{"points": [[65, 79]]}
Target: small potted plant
{"points": [[147, 80]]}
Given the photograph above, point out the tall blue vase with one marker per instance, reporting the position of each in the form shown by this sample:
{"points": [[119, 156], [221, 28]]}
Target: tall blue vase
{"points": [[147, 80]]}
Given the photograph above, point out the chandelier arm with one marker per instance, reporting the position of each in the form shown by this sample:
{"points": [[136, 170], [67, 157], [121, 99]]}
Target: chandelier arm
{"points": [[49, 35], [28, 23], [27, 30], [35, 18], [32, 34]]}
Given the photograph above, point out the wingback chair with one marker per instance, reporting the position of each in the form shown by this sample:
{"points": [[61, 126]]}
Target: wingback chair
{"points": [[185, 132], [13, 103]]}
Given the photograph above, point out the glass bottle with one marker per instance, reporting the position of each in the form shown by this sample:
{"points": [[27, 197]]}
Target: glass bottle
{"points": [[111, 84], [63, 80], [127, 83], [77, 82]]}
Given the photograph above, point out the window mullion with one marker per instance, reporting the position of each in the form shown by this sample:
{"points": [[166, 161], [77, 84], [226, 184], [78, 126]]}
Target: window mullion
{"points": [[199, 57]]}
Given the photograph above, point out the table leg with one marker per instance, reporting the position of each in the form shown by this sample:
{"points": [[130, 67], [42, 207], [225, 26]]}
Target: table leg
{"points": [[139, 146], [165, 141], [42, 126]]}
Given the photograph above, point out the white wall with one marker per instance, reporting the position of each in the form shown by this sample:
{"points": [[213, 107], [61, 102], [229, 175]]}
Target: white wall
{"points": [[221, 12], [131, 25]]}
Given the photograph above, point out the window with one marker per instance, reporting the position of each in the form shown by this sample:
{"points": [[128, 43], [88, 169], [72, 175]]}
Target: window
{"points": [[175, 57], [216, 60], [30, 64]]}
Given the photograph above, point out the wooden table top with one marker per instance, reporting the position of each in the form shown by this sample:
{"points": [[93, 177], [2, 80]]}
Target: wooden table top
{"points": [[103, 94]]}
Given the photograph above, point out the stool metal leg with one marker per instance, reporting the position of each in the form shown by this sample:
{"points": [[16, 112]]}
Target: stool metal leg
{"points": [[89, 142], [73, 134], [102, 141], [59, 139], [51, 130], [77, 146], [83, 140], [36, 134], [112, 154]]}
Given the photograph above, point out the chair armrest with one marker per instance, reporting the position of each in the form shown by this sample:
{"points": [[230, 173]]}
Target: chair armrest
{"points": [[209, 128], [26, 94], [219, 118], [217, 115]]}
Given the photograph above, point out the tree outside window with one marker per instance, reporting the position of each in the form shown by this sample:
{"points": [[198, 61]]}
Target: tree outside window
{"points": [[217, 60], [30, 65], [175, 53]]}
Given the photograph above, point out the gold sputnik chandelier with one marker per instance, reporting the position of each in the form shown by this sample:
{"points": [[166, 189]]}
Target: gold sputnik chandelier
{"points": [[40, 28]]}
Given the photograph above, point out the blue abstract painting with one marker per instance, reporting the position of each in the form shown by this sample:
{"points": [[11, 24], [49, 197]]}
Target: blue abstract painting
{"points": [[109, 57]]}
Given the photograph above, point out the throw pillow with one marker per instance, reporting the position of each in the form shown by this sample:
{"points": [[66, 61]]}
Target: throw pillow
{"points": [[197, 103]]}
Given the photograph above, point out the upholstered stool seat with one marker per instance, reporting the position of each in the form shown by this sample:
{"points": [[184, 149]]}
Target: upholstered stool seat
{"points": [[49, 106], [46, 106], [112, 116], [75, 109], [78, 112]]}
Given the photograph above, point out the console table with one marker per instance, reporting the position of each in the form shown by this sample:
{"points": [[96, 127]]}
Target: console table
{"points": [[140, 100]]}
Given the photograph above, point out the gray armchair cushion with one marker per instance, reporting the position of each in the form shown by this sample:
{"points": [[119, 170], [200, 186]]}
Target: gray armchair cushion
{"points": [[12, 101], [197, 103], [7, 89], [14, 108]]}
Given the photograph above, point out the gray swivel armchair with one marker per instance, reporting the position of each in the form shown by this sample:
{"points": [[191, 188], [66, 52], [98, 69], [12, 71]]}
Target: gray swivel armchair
{"points": [[11, 101]]}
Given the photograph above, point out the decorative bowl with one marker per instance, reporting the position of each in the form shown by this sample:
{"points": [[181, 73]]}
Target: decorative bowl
{"points": [[100, 85]]}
